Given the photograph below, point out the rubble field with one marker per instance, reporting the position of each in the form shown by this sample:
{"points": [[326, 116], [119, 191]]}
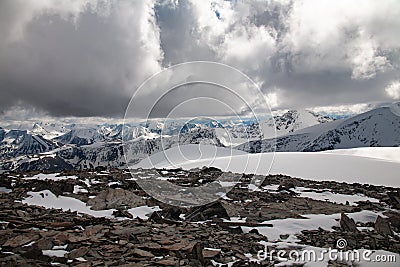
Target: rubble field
{"points": [[103, 218]]}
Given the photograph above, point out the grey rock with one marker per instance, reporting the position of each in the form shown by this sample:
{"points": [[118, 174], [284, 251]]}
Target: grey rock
{"points": [[79, 252], [382, 226], [348, 224], [115, 199]]}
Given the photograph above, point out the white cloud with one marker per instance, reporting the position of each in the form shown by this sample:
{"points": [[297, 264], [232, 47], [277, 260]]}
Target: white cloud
{"points": [[343, 35], [393, 89], [367, 62], [343, 109], [273, 99], [214, 18], [26, 11], [248, 46]]}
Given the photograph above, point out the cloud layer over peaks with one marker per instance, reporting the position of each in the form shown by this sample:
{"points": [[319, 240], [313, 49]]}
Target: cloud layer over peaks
{"points": [[86, 58]]}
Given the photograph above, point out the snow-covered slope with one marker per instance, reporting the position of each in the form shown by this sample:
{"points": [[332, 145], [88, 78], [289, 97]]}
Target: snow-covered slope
{"points": [[91, 145], [48, 130], [191, 153], [308, 165], [239, 134], [280, 125], [137, 150], [110, 153], [378, 127], [290, 122], [14, 143], [81, 136], [383, 153]]}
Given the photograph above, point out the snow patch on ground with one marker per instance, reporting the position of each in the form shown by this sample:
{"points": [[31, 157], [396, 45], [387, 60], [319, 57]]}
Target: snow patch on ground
{"points": [[383, 153], [293, 226], [114, 183], [51, 176], [236, 219], [323, 195], [332, 197], [5, 190], [79, 189], [143, 212], [48, 200], [59, 253]]}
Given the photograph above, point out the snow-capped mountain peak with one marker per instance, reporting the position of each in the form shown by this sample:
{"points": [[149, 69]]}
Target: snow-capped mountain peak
{"points": [[88, 146], [378, 127], [290, 122]]}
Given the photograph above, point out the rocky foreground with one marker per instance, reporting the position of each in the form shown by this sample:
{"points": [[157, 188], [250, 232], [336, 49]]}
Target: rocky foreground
{"points": [[103, 218]]}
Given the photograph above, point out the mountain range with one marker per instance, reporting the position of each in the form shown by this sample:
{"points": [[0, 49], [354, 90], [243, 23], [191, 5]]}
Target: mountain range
{"points": [[376, 128], [57, 146]]}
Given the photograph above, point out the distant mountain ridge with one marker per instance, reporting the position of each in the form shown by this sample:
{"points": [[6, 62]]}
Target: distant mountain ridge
{"points": [[15, 143], [290, 122], [378, 127], [57, 146]]}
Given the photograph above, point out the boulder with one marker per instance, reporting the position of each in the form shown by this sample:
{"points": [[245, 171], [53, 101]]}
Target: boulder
{"points": [[207, 212], [142, 253], [78, 252], [394, 197], [115, 199], [122, 213], [196, 253], [347, 224], [382, 226], [21, 240], [44, 243], [210, 253], [191, 249]]}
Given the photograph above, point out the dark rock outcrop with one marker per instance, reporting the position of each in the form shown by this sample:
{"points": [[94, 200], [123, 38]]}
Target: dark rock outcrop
{"points": [[347, 224]]}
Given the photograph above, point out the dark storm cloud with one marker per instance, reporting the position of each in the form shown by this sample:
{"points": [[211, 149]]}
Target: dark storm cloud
{"points": [[327, 89], [83, 63], [179, 37], [197, 89]]}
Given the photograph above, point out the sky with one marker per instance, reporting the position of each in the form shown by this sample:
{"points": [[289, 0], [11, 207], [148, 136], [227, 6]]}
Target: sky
{"points": [[87, 58]]}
